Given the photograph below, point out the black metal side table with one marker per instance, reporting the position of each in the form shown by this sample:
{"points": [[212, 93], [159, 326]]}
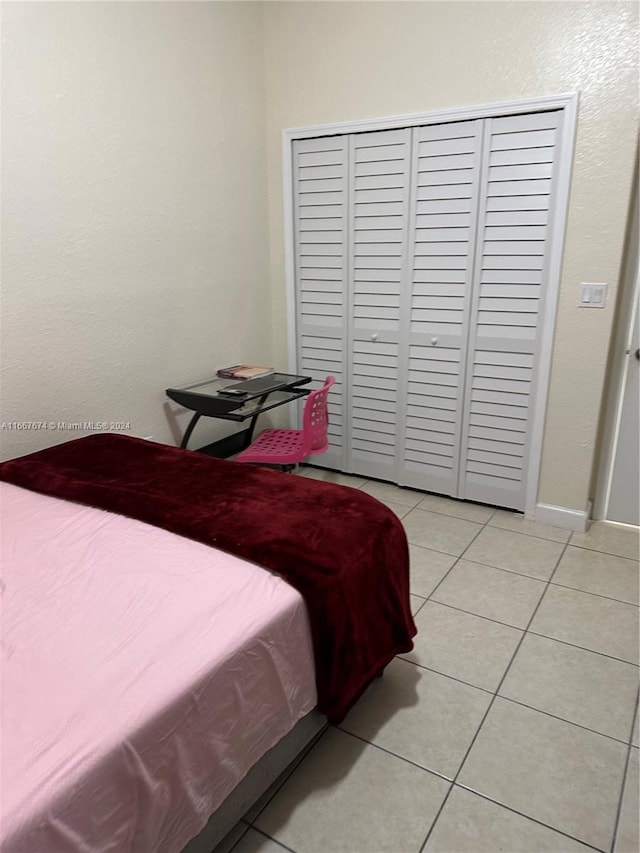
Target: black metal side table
{"points": [[233, 400]]}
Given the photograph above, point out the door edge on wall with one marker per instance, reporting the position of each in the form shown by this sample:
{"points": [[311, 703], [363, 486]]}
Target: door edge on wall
{"points": [[605, 478], [627, 304]]}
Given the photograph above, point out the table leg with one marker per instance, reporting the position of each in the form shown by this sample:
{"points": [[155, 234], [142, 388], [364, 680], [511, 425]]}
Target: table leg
{"points": [[185, 438]]}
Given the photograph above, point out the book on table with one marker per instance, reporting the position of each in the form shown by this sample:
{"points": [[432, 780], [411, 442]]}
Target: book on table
{"points": [[244, 371]]}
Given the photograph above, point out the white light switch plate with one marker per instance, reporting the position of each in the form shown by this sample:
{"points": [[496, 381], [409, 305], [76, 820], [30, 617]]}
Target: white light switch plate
{"points": [[592, 294]]}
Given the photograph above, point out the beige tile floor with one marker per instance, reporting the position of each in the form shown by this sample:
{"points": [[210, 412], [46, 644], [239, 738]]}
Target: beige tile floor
{"points": [[512, 726]]}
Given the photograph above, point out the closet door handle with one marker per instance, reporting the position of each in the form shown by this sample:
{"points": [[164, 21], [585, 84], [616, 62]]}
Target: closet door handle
{"points": [[374, 337]]}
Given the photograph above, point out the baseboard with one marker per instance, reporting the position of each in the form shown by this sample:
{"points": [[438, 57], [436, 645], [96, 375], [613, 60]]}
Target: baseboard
{"points": [[561, 516]]}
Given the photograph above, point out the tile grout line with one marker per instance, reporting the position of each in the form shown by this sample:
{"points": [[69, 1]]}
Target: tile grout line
{"points": [[402, 758], [419, 608], [510, 699], [450, 515], [509, 571], [583, 648], [516, 628], [449, 570], [596, 594], [523, 575], [477, 615], [462, 787], [264, 835], [446, 778], [600, 551], [445, 675], [457, 559], [625, 771], [534, 535], [542, 580], [491, 704], [563, 720]]}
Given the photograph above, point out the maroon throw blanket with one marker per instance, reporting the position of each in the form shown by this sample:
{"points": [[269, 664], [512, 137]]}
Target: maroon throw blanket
{"points": [[344, 551]]}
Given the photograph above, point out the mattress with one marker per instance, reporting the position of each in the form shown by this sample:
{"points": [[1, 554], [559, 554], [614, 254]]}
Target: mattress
{"points": [[143, 674]]}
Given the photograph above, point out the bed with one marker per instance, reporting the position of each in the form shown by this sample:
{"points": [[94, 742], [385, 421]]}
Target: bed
{"points": [[147, 675]]}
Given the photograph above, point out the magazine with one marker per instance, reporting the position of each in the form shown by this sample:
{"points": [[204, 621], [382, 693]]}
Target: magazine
{"points": [[244, 371]]}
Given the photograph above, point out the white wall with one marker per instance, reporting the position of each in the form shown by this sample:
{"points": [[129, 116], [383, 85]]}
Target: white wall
{"points": [[135, 219], [134, 211], [340, 61]]}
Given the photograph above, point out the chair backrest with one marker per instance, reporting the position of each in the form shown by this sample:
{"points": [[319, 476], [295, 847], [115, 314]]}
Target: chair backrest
{"points": [[316, 419]]}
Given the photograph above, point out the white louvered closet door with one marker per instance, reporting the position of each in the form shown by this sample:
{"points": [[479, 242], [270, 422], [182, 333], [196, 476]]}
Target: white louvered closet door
{"points": [[320, 215], [421, 272], [519, 160], [446, 168], [378, 217]]}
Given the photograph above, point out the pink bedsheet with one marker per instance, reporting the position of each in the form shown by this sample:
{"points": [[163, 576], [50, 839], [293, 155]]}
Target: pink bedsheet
{"points": [[142, 676]]}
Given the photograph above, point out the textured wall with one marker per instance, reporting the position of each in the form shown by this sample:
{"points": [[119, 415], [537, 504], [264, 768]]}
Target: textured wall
{"points": [[134, 170], [135, 251], [329, 62]]}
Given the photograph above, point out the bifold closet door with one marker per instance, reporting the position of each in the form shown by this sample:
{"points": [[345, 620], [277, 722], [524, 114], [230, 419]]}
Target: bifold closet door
{"points": [[479, 246], [421, 272], [351, 214], [446, 173], [320, 185], [519, 161], [380, 168]]}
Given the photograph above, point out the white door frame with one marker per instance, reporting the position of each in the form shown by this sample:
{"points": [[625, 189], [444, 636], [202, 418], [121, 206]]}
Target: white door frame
{"points": [[568, 103], [628, 303], [621, 369]]}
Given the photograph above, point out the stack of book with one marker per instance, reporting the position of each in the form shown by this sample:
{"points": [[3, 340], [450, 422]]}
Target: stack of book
{"points": [[244, 371]]}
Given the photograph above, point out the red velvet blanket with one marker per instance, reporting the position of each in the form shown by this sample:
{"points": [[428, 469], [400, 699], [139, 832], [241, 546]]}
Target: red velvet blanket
{"points": [[344, 551]]}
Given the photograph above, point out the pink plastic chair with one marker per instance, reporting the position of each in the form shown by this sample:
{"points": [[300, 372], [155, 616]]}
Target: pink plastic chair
{"points": [[287, 447]]}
